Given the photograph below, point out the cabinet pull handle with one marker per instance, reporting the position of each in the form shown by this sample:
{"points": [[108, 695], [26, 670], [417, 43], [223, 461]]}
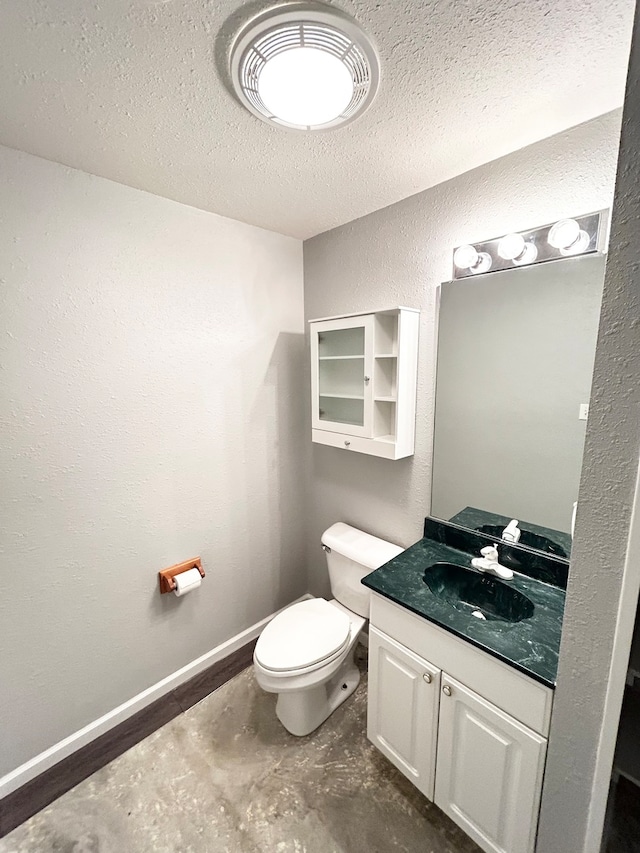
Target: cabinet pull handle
{"points": [[427, 677], [347, 443], [446, 690]]}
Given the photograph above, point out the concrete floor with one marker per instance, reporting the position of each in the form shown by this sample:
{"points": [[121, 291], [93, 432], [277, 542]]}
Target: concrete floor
{"points": [[225, 777]]}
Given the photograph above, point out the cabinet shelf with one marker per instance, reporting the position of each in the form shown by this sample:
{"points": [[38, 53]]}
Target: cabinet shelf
{"points": [[386, 355], [339, 357], [342, 396], [385, 399], [344, 419]]}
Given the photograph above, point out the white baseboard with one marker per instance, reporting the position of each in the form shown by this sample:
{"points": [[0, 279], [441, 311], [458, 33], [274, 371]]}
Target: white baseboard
{"points": [[35, 766]]}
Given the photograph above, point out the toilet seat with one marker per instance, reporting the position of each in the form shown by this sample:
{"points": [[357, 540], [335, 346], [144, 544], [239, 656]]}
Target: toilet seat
{"points": [[305, 636]]}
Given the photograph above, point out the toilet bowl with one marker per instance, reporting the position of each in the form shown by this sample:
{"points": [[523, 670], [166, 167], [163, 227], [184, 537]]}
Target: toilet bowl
{"points": [[306, 653], [307, 658]]}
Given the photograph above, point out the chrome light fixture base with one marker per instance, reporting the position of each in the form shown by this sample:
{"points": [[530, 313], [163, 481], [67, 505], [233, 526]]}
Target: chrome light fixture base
{"points": [[303, 25], [566, 238]]}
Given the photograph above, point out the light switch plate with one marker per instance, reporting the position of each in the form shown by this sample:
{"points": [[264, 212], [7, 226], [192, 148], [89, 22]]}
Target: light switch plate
{"points": [[583, 413]]}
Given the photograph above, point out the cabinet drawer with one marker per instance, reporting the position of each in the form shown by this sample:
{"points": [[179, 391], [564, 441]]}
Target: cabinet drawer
{"points": [[372, 446], [512, 691]]}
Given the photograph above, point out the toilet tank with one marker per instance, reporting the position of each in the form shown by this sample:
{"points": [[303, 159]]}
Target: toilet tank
{"points": [[352, 554]]}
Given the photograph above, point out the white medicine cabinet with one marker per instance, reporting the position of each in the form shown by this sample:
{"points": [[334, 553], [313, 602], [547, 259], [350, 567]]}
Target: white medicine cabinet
{"points": [[363, 381]]}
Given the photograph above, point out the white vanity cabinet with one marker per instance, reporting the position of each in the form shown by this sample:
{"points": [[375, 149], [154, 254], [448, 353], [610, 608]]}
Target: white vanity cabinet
{"points": [[363, 381], [466, 729]]}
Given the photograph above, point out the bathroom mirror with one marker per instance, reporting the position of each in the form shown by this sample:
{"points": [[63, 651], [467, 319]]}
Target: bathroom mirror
{"points": [[514, 366]]}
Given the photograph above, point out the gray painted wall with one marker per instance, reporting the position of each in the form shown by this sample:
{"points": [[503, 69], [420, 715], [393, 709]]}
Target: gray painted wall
{"points": [[515, 361], [573, 788], [398, 256], [150, 407]]}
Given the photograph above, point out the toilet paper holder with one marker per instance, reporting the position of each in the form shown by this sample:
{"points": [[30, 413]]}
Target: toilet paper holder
{"points": [[166, 576]]}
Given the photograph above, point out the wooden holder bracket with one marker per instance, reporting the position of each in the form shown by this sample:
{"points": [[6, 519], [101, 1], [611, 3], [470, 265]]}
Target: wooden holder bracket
{"points": [[166, 576]]}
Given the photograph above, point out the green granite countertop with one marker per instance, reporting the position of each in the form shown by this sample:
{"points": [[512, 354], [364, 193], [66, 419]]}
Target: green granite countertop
{"points": [[530, 646]]}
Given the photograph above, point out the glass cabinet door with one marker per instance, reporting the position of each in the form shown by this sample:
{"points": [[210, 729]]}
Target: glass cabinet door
{"points": [[342, 361]]}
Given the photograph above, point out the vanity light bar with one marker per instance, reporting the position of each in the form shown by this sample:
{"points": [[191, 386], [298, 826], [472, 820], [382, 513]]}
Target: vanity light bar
{"points": [[583, 235]]}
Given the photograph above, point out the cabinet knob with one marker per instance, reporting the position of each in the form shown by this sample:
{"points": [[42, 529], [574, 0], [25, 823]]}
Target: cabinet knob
{"points": [[367, 379], [446, 690], [427, 677], [347, 443]]}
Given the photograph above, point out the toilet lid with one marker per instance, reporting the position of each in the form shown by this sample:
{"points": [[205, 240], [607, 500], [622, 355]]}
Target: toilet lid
{"points": [[303, 634]]}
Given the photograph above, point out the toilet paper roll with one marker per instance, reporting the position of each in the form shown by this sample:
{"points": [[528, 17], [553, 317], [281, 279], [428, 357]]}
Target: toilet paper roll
{"points": [[187, 582]]}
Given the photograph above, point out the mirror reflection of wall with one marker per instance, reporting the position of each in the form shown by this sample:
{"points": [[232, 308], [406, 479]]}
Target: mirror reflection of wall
{"points": [[514, 364]]}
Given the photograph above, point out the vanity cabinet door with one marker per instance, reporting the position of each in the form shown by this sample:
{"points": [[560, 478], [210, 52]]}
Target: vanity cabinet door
{"points": [[489, 771], [402, 714]]}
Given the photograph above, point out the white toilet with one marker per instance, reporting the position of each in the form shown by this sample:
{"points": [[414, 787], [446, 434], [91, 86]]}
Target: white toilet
{"points": [[305, 654]]}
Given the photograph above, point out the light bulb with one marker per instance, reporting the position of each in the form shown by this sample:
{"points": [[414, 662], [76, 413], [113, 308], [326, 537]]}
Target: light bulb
{"points": [[465, 257], [528, 255], [511, 246], [579, 245], [563, 234], [305, 86], [483, 264]]}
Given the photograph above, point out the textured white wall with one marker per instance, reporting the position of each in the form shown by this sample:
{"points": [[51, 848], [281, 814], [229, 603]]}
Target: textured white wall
{"points": [[398, 256], [150, 406], [604, 558]]}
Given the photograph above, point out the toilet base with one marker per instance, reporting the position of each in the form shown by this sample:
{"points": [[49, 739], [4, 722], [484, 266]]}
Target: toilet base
{"points": [[302, 711]]}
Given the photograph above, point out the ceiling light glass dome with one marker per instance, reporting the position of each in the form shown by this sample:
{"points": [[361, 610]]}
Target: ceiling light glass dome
{"points": [[304, 66]]}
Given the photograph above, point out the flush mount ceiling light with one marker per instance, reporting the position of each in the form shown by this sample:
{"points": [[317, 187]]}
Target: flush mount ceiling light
{"points": [[304, 65], [580, 236]]}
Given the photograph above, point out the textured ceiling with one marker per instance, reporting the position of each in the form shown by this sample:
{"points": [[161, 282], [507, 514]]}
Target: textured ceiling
{"points": [[134, 90]]}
